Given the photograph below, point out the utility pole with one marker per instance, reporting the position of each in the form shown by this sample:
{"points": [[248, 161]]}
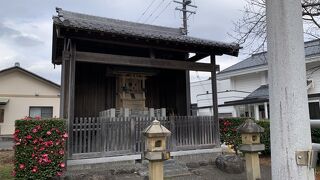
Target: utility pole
{"points": [[185, 12], [290, 122]]}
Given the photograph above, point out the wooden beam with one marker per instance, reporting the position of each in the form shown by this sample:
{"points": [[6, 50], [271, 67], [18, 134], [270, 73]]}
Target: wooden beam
{"points": [[198, 57], [142, 62]]}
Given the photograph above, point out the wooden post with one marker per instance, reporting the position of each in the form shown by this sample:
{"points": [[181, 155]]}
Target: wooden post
{"points": [[188, 97], [215, 100], [63, 86], [290, 123], [72, 68]]}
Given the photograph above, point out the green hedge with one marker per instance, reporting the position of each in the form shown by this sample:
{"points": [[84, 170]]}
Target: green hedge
{"points": [[233, 138], [39, 148]]}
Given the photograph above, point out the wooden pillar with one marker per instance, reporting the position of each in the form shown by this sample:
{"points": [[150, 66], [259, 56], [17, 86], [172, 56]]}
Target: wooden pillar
{"points": [[188, 98], [71, 97], [215, 100], [290, 123], [62, 87]]}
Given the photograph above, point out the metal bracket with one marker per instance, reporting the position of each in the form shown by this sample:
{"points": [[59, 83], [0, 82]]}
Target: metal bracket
{"points": [[307, 158]]}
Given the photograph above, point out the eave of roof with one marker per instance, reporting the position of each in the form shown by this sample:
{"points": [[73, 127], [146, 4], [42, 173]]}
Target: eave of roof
{"points": [[259, 60], [30, 73], [72, 20]]}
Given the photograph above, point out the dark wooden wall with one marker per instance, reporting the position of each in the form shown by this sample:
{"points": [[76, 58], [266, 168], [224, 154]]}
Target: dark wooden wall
{"points": [[95, 90], [167, 90]]}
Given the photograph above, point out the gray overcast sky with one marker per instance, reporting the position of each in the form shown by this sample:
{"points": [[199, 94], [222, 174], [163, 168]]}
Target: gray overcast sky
{"points": [[26, 26]]}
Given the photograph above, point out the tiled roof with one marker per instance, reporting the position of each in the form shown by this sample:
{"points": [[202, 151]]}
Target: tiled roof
{"points": [[261, 92], [312, 48], [120, 27]]}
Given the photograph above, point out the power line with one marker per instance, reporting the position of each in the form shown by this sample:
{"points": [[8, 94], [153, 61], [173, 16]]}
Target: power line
{"points": [[146, 10], [155, 10], [161, 12]]}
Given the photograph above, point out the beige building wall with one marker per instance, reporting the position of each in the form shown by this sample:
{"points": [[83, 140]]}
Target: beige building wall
{"points": [[24, 90]]}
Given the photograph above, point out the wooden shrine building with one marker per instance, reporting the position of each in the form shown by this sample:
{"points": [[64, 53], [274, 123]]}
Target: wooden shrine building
{"points": [[117, 76]]}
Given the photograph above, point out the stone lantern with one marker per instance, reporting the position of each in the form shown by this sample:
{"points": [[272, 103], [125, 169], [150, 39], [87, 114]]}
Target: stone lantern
{"points": [[251, 146], [155, 149]]}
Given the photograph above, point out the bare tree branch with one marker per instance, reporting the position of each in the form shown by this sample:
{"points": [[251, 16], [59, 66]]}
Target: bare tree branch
{"points": [[250, 30]]}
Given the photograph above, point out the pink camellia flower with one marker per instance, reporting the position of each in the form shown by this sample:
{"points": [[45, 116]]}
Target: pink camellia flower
{"points": [[35, 148], [45, 155], [34, 169], [33, 155], [62, 165], [65, 135], [61, 152], [38, 127], [41, 149], [28, 137], [48, 133], [35, 130], [17, 131], [22, 166], [37, 117], [49, 143], [57, 143], [59, 173], [18, 143], [35, 141], [13, 173]]}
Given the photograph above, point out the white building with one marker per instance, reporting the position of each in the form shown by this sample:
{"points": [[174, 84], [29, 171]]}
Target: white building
{"points": [[243, 88], [23, 93]]}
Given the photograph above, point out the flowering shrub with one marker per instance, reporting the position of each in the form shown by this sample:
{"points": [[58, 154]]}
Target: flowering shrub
{"points": [[229, 134], [39, 148], [228, 131]]}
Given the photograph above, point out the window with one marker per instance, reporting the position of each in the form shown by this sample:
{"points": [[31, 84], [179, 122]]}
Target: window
{"points": [[314, 110], [43, 112], [1, 115]]}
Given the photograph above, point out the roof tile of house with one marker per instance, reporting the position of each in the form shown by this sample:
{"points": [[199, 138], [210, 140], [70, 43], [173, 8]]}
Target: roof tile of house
{"points": [[120, 27], [312, 48]]}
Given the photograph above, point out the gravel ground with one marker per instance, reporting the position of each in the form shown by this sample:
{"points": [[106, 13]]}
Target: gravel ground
{"points": [[204, 172], [209, 172]]}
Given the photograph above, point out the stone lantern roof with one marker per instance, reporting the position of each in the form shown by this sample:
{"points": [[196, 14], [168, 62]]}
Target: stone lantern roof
{"points": [[156, 130], [250, 127]]}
